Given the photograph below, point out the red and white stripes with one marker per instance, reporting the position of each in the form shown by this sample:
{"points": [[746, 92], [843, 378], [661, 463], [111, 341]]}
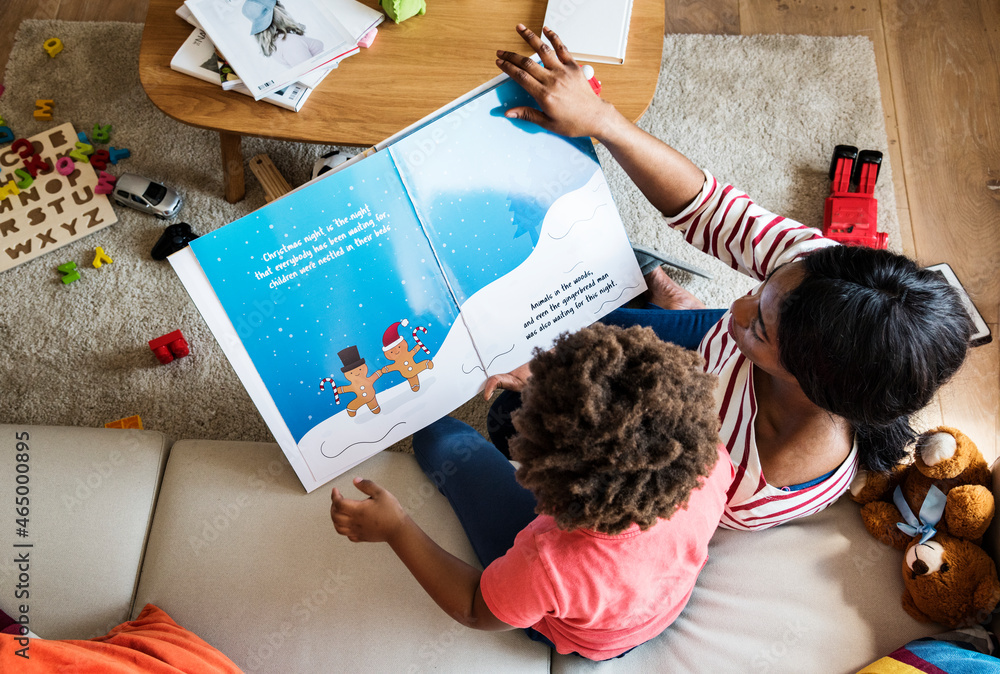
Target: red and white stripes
{"points": [[336, 389], [416, 339], [724, 222]]}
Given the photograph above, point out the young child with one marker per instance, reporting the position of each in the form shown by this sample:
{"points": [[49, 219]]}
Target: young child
{"points": [[594, 544]]}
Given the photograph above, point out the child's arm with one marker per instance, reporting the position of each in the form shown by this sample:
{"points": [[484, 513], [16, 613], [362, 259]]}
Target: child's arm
{"points": [[451, 583]]}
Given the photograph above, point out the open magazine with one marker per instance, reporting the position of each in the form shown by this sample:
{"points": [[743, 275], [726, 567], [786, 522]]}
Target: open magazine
{"points": [[197, 57], [358, 19], [378, 298], [272, 44]]}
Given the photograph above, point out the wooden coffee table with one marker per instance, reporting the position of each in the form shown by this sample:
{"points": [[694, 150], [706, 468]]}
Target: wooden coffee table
{"points": [[412, 69]]}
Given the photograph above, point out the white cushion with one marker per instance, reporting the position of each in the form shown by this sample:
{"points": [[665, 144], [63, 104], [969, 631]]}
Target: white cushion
{"points": [[91, 493], [241, 556]]}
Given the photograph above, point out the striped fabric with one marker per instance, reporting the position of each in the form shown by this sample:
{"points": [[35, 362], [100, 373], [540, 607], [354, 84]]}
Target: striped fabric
{"points": [[969, 651], [725, 223]]}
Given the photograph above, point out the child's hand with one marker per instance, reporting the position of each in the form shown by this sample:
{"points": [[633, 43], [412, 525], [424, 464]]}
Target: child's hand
{"points": [[373, 520], [515, 380]]}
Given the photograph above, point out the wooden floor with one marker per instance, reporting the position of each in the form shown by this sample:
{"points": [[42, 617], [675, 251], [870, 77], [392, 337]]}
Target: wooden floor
{"points": [[939, 68]]}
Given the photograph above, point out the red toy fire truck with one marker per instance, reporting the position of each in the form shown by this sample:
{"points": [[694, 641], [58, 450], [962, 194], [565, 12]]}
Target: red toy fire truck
{"points": [[851, 217]]}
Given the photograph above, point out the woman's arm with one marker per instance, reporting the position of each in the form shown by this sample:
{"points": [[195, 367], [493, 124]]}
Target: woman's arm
{"points": [[568, 106], [451, 583], [725, 223]]}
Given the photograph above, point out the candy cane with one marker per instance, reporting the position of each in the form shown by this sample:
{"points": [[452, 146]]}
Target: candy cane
{"points": [[336, 390], [417, 339]]}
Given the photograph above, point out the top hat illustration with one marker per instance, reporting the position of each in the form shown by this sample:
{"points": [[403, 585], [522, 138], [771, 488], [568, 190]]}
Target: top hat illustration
{"points": [[349, 357]]}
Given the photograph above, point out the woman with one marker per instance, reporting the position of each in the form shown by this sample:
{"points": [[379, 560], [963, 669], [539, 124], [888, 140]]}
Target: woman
{"points": [[819, 367]]}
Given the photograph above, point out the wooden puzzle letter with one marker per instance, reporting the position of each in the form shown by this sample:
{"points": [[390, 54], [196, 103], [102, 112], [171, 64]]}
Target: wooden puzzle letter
{"points": [[6, 135], [105, 183], [82, 151], [100, 257], [52, 46], [25, 179], [116, 154], [35, 163], [23, 148], [99, 160], [69, 272], [9, 190], [44, 108], [102, 134], [8, 227], [65, 166]]}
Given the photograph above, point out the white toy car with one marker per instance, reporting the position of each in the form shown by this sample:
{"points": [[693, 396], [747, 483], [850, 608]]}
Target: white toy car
{"points": [[145, 195]]}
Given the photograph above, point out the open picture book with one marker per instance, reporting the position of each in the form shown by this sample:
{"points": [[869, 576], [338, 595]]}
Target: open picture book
{"points": [[378, 298]]}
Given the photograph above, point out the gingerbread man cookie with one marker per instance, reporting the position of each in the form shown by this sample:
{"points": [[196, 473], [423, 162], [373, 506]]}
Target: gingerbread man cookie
{"points": [[362, 384], [398, 351]]}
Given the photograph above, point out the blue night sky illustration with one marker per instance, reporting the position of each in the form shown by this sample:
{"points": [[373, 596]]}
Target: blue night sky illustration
{"points": [[482, 184]]}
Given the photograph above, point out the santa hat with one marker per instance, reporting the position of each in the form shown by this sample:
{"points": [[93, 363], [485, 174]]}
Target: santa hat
{"points": [[391, 337]]}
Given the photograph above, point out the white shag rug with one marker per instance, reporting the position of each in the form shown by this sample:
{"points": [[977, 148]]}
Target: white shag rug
{"points": [[761, 112]]}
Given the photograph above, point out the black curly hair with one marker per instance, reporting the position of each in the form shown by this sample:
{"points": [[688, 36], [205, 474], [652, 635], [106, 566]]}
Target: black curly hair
{"points": [[617, 427], [875, 337]]}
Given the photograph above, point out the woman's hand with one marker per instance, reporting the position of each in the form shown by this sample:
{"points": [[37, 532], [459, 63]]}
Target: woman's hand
{"points": [[515, 380], [568, 104], [374, 520]]}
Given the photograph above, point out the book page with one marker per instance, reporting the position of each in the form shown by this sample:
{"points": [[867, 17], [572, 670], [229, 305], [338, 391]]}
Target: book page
{"points": [[522, 222], [335, 296], [369, 303]]}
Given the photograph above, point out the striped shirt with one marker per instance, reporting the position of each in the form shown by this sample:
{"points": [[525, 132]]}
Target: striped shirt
{"points": [[725, 223]]}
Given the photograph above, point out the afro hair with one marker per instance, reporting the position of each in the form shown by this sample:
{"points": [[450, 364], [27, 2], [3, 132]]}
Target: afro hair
{"points": [[617, 427]]}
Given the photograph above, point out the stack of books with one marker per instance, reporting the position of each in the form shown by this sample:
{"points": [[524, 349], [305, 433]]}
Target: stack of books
{"points": [[277, 51]]}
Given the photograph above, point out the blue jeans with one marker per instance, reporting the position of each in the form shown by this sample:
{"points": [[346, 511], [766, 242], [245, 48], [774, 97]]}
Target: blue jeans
{"points": [[479, 483], [684, 327]]}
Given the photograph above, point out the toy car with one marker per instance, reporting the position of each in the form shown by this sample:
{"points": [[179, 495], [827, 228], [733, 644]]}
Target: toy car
{"points": [[851, 217], [145, 195]]}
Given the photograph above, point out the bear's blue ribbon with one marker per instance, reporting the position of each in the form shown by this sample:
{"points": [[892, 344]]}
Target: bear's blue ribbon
{"points": [[930, 513]]}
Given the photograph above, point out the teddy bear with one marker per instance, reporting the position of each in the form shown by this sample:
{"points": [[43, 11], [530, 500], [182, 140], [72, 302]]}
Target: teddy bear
{"points": [[937, 509]]}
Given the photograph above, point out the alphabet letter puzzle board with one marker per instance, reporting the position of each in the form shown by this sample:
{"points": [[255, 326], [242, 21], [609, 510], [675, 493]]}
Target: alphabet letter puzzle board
{"points": [[52, 209]]}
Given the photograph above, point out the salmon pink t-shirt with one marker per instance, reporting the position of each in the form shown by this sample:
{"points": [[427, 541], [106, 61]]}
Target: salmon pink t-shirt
{"points": [[598, 594]]}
